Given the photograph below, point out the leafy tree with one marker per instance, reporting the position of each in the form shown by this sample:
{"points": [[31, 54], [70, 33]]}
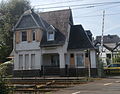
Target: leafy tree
{"points": [[10, 11], [117, 58], [3, 52], [4, 89], [6, 69]]}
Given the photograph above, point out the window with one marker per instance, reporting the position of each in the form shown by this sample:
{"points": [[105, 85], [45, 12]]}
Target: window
{"points": [[33, 60], [26, 61], [24, 36], [20, 62], [33, 35], [108, 56], [79, 60], [50, 36]]}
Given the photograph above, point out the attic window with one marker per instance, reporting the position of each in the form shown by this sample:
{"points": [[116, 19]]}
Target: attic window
{"points": [[50, 36], [50, 33], [33, 35], [24, 36]]}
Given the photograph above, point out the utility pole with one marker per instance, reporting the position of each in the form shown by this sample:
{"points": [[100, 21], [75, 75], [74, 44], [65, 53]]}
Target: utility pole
{"points": [[101, 50], [100, 64]]}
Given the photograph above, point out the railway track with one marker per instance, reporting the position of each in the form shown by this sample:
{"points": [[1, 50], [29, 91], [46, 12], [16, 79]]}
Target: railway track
{"points": [[38, 86]]}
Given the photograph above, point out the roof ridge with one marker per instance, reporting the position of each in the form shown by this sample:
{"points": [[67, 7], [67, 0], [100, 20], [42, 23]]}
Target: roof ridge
{"points": [[56, 11]]}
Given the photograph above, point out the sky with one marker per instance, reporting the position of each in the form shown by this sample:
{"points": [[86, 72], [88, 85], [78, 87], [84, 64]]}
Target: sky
{"points": [[90, 17]]}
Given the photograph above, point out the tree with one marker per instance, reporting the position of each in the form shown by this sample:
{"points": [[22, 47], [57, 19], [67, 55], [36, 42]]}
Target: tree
{"points": [[3, 52], [10, 12], [117, 58], [3, 88]]}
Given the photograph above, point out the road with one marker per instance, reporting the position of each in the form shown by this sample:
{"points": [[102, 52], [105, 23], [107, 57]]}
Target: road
{"points": [[104, 86]]}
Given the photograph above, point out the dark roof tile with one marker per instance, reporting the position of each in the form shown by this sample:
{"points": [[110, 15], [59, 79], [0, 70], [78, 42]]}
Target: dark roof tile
{"points": [[59, 39], [26, 19], [79, 39], [59, 19], [108, 39]]}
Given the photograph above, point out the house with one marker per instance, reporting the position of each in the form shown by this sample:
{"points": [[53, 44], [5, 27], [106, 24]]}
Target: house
{"points": [[110, 47], [49, 44], [116, 52]]}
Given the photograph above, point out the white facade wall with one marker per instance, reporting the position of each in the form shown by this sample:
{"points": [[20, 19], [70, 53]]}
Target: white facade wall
{"points": [[27, 46], [111, 45], [27, 64], [16, 61]]}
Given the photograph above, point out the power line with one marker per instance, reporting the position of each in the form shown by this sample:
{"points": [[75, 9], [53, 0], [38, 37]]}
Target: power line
{"points": [[102, 9], [58, 3], [103, 3], [99, 15], [91, 6]]}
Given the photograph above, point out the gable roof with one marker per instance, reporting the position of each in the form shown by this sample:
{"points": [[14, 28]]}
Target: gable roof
{"points": [[109, 48], [57, 19], [108, 39], [79, 39], [116, 47], [31, 20]]}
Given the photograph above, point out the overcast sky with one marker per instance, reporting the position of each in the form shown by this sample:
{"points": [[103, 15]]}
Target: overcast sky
{"points": [[86, 16], [90, 18]]}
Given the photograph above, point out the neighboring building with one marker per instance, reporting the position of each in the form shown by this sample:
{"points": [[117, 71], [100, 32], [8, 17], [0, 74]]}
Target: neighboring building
{"points": [[110, 47], [116, 52], [49, 44]]}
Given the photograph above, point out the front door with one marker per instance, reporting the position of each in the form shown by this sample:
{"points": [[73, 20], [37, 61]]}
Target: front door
{"points": [[72, 61]]}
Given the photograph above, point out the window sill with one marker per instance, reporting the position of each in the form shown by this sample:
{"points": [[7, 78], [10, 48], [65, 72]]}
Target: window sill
{"points": [[23, 42], [81, 67], [50, 40]]}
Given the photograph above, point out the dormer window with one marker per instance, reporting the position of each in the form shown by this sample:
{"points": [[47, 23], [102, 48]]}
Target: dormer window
{"points": [[24, 36], [50, 35]]}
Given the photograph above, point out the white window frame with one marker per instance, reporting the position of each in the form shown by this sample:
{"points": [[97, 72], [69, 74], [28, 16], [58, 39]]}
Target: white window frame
{"points": [[83, 60], [53, 35], [27, 61], [33, 61], [20, 62]]}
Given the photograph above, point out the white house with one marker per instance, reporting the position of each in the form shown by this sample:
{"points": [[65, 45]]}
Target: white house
{"points": [[110, 47], [49, 44]]}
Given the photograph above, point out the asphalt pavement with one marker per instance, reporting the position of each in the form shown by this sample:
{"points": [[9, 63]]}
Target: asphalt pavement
{"points": [[110, 85]]}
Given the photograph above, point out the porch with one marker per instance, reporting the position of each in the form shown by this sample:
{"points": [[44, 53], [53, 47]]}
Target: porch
{"points": [[53, 64]]}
